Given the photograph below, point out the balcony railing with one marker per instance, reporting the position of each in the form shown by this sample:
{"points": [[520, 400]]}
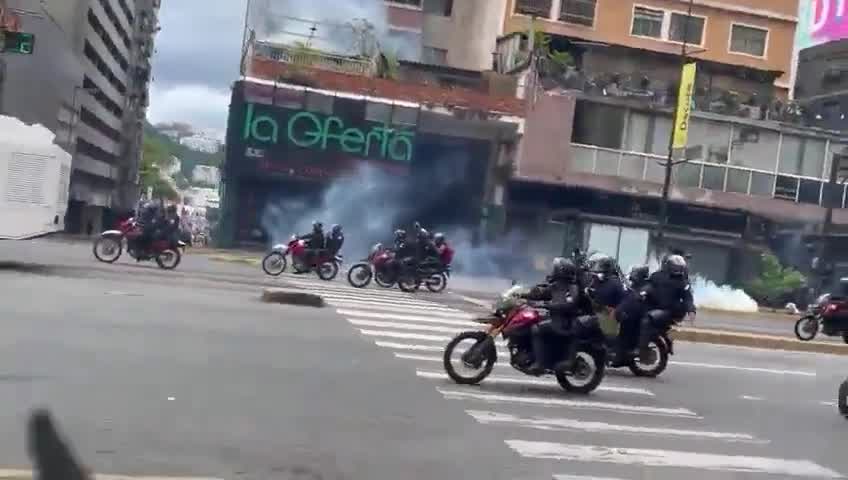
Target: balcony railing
{"points": [[705, 175], [318, 59]]}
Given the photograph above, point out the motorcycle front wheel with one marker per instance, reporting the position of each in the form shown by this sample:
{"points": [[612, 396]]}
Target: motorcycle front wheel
{"points": [[384, 279], [408, 283], [274, 264], [360, 275], [652, 367], [108, 249], [806, 328], [437, 282], [168, 259], [328, 271], [587, 374], [479, 357]]}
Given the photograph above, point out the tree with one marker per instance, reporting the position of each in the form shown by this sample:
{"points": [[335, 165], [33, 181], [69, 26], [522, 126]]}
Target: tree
{"points": [[153, 158], [776, 283]]}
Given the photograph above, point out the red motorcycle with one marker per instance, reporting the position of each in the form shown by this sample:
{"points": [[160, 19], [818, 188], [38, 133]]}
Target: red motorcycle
{"points": [[379, 266], [110, 245], [513, 318], [828, 314], [325, 263]]}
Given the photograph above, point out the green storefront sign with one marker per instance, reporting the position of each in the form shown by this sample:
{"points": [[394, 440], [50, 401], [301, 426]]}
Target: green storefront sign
{"points": [[268, 127]]}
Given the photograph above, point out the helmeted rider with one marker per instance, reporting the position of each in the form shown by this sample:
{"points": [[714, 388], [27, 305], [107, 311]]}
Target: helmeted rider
{"points": [[444, 249], [171, 225], [606, 289], [150, 219], [335, 239], [315, 241], [563, 296]]}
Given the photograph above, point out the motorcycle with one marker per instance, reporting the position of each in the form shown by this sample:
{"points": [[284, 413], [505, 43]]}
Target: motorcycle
{"points": [[324, 263], [828, 314], [432, 273], [379, 266], [513, 318], [110, 245]]}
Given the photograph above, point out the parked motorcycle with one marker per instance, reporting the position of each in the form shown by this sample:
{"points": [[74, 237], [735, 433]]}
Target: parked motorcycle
{"points": [[513, 318], [432, 274], [379, 266], [828, 314], [110, 245]]}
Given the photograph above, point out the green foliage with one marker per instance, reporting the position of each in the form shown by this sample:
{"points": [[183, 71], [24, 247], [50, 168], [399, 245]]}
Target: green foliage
{"points": [[390, 66], [154, 158], [776, 283], [553, 62]]}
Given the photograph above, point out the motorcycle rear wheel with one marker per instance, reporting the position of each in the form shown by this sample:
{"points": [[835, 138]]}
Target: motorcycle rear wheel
{"points": [[173, 258], [409, 283], [110, 256], [274, 264], [587, 374], [360, 275], [489, 353], [328, 270], [653, 370], [806, 328], [384, 280], [437, 282]]}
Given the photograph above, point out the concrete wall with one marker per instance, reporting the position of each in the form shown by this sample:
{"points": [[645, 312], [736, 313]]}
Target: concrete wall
{"points": [[469, 34], [613, 20]]}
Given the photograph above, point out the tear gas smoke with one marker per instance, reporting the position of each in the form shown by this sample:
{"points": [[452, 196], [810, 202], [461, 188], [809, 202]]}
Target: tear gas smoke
{"points": [[709, 295]]}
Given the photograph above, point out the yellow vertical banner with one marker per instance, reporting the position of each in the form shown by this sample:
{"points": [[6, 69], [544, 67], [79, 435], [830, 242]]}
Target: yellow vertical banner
{"points": [[684, 106]]}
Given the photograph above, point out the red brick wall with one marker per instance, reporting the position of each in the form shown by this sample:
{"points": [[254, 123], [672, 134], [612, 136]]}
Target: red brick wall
{"points": [[381, 87]]}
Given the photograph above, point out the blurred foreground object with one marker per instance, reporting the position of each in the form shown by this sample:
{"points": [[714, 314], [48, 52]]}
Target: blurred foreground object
{"points": [[51, 455]]}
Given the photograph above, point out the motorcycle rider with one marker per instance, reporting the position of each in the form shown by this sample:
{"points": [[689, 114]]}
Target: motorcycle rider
{"points": [[150, 219], [667, 291], [335, 239], [315, 241], [171, 225], [606, 289], [563, 296], [444, 250]]}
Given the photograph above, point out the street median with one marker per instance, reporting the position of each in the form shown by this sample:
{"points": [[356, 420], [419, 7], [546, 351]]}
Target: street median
{"points": [[769, 342], [286, 296], [224, 257]]}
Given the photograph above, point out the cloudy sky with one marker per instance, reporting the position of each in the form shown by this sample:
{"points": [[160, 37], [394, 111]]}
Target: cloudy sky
{"points": [[197, 50], [197, 59]]}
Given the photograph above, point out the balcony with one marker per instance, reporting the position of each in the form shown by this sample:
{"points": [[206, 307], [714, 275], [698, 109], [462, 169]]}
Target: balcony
{"points": [[305, 57]]}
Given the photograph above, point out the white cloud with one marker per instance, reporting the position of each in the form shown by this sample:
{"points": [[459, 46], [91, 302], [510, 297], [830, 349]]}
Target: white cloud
{"points": [[200, 106]]}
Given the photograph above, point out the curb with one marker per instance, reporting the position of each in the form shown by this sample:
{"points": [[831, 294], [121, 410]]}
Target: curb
{"points": [[233, 259], [768, 342], [292, 297]]}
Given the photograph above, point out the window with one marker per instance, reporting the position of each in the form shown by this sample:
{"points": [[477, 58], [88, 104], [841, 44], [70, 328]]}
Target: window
{"points": [[405, 44], [802, 156], [678, 27], [410, 3], [737, 181], [713, 136], [809, 191], [434, 56], [748, 40], [541, 8], [786, 188], [713, 178], [438, 7], [687, 175], [762, 184], [647, 22], [580, 12], [754, 148]]}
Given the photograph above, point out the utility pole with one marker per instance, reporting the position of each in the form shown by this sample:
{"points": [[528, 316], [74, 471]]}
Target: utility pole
{"points": [[669, 162]]}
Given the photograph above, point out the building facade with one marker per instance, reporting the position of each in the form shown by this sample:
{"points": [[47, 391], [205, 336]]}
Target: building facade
{"points": [[87, 81]]}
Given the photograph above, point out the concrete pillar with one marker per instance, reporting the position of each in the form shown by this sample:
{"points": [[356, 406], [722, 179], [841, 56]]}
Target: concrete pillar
{"points": [[225, 236]]}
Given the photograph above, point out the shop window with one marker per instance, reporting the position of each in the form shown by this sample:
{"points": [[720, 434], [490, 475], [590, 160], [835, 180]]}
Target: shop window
{"points": [[762, 184], [607, 163], [632, 166], [802, 156], [582, 159], [737, 181], [713, 178], [661, 134], [688, 175], [599, 125], [638, 129], [713, 136], [786, 188], [754, 147], [809, 191]]}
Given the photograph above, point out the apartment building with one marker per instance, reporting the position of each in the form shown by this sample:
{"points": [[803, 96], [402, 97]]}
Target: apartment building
{"points": [[87, 81]]}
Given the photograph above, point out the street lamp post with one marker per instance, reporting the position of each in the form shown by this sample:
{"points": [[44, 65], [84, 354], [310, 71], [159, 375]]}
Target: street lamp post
{"points": [[669, 162]]}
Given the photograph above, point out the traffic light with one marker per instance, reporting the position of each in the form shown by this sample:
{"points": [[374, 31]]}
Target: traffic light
{"points": [[18, 42]]}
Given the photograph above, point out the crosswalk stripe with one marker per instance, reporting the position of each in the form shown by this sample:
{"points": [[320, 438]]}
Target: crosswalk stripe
{"points": [[29, 474], [582, 477], [360, 315], [747, 369], [463, 319], [428, 358], [334, 295], [563, 402], [670, 458], [404, 335], [321, 285], [403, 326], [509, 380], [430, 310], [568, 424], [407, 346]]}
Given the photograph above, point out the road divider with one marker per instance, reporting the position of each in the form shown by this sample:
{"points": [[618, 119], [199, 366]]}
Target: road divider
{"points": [[292, 297], [768, 342], [225, 257]]}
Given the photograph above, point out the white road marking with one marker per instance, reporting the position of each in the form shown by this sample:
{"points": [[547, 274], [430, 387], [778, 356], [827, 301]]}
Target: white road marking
{"points": [[670, 458], [428, 358], [407, 346], [335, 295], [463, 319], [746, 369], [752, 398], [321, 284], [550, 382], [430, 310], [828, 404], [555, 424], [582, 477], [404, 326], [9, 473], [562, 402], [404, 335]]}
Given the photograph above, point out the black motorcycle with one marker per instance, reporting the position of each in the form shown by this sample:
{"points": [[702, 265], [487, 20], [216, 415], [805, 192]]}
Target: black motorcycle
{"points": [[430, 272]]}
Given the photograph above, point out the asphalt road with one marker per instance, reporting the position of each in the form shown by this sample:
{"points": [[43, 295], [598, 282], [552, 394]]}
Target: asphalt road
{"points": [[186, 374]]}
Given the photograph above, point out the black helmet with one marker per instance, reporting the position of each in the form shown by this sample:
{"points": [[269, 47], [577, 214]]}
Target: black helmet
{"points": [[563, 269], [400, 234], [639, 275], [337, 229], [675, 265], [439, 239], [416, 225], [317, 226], [604, 264]]}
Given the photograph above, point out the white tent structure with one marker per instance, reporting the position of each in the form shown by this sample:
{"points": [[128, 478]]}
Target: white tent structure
{"points": [[34, 178]]}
